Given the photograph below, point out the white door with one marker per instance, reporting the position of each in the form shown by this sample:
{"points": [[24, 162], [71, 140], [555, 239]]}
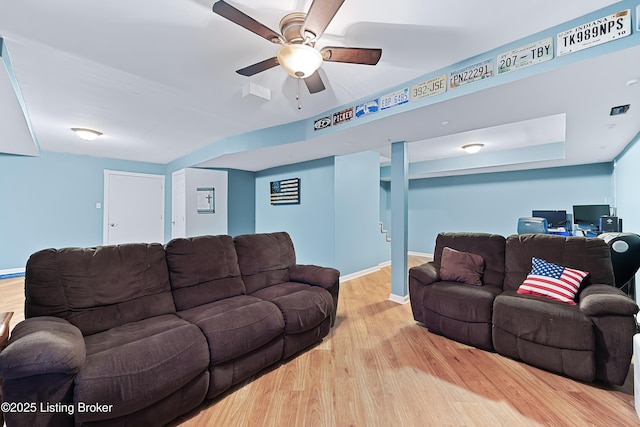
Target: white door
{"points": [[178, 205], [133, 208]]}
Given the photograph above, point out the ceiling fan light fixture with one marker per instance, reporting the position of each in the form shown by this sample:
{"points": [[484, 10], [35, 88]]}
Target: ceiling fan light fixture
{"points": [[472, 148], [86, 134], [299, 60]]}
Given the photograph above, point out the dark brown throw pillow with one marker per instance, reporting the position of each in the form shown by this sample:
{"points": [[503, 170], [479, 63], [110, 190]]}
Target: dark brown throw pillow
{"points": [[463, 267]]}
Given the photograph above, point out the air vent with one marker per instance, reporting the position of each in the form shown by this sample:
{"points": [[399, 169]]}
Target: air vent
{"points": [[619, 110]]}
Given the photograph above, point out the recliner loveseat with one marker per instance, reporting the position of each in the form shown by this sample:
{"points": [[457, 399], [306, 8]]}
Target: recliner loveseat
{"points": [[138, 334], [587, 339]]}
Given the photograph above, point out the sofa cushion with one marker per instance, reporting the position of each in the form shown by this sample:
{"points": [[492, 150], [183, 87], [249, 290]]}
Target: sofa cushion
{"points": [[202, 270], [463, 267], [586, 254], [135, 365], [99, 288], [303, 306], [264, 259], [543, 321], [548, 334], [465, 303], [236, 326], [552, 281], [489, 246]]}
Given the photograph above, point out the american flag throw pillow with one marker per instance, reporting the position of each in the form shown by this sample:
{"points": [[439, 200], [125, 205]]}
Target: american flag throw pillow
{"points": [[552, 281]]}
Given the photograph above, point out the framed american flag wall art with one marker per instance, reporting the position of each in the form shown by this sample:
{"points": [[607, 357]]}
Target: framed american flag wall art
{"points": [[285, 192]]}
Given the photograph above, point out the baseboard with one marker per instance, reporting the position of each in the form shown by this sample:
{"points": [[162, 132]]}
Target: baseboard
{"points": [[421, 254], [364, 272], [399, 299], [11, 272]]}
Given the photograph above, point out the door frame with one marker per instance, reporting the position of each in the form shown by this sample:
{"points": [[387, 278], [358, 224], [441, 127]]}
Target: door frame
{"points": [[105, 213], [182, 172]]}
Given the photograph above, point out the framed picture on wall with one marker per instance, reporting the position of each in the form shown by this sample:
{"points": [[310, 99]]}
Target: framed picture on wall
{"points": [[285, 192], [206, 200]]}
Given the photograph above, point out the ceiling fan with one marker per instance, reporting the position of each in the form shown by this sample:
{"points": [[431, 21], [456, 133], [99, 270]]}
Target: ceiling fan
{"points": [[299, 33]]}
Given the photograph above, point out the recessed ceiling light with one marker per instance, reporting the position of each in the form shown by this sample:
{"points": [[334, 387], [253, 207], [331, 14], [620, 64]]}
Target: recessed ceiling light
{"points": [[472, 148], [86, 134], [446, 122], [633, 82]]}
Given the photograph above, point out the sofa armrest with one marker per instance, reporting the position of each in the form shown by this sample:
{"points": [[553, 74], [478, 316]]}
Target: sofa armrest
{"points": [[599, 300], [325, 277], [425, 274], [42, 345]]}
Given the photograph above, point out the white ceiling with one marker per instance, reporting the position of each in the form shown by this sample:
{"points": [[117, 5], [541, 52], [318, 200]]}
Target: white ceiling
{"points": [[158, 79]]}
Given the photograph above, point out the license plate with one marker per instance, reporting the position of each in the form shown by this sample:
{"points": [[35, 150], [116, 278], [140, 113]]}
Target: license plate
{"points": [[343, 116], [396, 98], [594, 33], [434, 86], [369, 107], [526, 56], [480, 71]]}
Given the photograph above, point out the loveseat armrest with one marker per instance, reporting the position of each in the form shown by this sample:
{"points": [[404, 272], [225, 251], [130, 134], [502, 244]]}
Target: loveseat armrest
{"points": [[601, 300], [43, 345], [425, 274], [325, 277]]}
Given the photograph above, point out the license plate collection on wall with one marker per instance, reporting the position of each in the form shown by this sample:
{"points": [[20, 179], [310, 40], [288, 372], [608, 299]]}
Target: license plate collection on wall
{"points": [[603, 30], [285, 192]]}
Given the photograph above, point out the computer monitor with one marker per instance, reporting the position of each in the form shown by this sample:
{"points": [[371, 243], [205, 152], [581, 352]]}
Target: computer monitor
{"points": [[555, 219], [589, 215]]}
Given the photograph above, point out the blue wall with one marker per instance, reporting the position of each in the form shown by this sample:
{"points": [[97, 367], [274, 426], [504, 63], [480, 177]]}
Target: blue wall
{"points": [[50, 201], [493, 202], [311, 224], [241, 202], [626, 178], [359, 245], [336, 223]]}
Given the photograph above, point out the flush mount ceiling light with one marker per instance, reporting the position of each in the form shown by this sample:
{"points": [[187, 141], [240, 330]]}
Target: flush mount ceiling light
{"points": [[86, 134], [472, 148]]}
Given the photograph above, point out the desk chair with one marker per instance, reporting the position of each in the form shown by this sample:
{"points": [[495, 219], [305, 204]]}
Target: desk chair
{"points": [[625, 259]]}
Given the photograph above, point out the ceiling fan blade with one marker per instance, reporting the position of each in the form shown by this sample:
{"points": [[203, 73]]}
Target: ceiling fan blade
{"points": [[314, 83], [319, 16], [352, 55], [258, 67], [225, 10]]}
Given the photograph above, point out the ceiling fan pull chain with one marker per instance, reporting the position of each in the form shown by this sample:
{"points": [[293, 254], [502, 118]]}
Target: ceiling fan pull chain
{"points": [[298, 94]]}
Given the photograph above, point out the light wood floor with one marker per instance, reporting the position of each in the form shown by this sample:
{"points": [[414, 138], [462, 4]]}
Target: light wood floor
{"points": [[378, 368]]}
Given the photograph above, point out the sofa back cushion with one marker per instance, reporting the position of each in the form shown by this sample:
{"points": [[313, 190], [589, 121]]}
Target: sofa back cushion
{"points": [[99, 288], [586, 254], [264, 259], [489, 246], [203, 270]]}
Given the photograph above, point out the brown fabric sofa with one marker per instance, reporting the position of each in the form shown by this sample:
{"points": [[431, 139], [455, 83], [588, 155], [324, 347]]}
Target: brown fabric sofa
{"points": [[589, 341], [145, 333]]}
